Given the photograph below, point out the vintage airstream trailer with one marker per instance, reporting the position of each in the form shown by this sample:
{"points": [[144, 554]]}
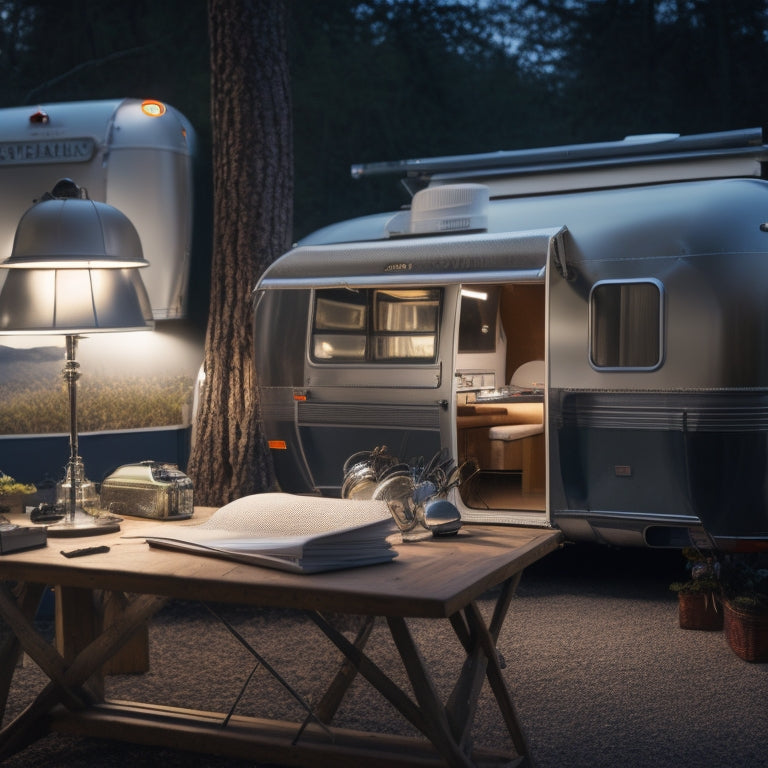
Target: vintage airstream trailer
{"points": [[137, 155], [134, 154], [631, 275]]}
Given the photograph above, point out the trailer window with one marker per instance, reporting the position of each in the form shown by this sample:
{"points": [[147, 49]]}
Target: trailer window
{"points": [[477, 324], [340, 325], [625, 318], [376, 325]]}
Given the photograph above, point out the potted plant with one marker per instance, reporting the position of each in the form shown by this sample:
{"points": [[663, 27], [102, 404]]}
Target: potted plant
{"points": [[12, 494], [698, 606], [745, 604]]}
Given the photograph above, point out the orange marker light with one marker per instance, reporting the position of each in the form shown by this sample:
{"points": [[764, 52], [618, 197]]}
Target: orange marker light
{"points": [[277, 445], [153, 108]]}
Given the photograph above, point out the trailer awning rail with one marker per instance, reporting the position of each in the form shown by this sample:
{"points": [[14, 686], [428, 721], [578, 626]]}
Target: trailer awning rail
{"points": [[740, 151]]}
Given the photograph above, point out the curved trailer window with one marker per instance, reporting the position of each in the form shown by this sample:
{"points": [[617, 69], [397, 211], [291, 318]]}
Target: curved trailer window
{"points": [[626, 324]]}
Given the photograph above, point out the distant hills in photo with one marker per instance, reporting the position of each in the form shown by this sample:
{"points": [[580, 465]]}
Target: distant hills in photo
{"points": [[29, 365]]}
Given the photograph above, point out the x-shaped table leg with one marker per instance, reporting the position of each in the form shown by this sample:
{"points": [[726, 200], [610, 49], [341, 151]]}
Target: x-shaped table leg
{"points": [[27, 598], [67, 681], [483, 662], [447, 726]]}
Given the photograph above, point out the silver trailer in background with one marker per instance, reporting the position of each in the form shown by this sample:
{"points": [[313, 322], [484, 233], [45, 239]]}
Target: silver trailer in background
{"points": [[138, 156], [133, 154], [588, 323]]}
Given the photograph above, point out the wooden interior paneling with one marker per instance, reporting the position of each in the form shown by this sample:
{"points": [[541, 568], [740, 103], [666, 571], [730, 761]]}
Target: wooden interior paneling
{"points": [[522, 315]]}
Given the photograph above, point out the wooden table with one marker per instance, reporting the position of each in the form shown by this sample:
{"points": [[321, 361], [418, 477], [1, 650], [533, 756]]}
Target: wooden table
{"points": [[438, 579]]}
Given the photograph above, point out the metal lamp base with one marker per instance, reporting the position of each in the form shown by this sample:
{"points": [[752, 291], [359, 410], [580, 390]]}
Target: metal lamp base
{"points": [[83, 524]]}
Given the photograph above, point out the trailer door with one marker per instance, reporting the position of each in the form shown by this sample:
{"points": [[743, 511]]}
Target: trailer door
{"points": [[374, 376], [378, 353]]}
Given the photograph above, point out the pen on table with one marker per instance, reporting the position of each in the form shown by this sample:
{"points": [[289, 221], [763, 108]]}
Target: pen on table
{"points": [[85, 551]]}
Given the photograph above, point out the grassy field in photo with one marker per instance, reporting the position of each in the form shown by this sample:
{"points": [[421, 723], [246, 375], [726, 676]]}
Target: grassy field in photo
{"points": [[42, 406]]}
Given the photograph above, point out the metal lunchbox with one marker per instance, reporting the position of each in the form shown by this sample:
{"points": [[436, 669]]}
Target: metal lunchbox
{"points": [[148, 489]]}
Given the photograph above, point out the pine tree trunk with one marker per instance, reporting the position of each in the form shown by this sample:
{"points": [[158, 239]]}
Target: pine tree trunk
{"points": [[253, 209]]}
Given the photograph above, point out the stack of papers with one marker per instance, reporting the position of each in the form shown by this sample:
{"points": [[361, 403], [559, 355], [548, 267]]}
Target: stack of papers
{"points": [[301, 534]]}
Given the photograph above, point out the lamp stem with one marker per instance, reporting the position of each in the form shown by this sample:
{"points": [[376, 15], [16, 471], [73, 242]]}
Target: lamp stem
{"points": [[79, 497], [71, 375]]}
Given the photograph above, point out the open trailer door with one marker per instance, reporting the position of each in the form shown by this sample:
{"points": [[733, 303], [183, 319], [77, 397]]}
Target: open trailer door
{"points": [[356, 346]]}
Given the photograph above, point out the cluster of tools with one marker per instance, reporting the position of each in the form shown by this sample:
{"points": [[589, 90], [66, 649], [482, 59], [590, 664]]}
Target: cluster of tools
{"points": [[416, 492]]}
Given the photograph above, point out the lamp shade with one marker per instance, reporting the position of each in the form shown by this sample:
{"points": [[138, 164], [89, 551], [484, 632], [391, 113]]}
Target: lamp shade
{"points": [[75, 233], [73, 301]]}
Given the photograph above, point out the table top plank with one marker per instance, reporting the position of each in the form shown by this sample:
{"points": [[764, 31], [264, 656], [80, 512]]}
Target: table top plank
{"points": [[432, 578]]}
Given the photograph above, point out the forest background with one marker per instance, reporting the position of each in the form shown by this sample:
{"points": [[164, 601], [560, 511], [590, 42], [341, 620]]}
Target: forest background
{"points": [[394, 79], [383, 80]]}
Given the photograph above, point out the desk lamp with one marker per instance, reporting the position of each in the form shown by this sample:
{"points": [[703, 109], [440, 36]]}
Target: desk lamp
{"points": [[73, 271]]}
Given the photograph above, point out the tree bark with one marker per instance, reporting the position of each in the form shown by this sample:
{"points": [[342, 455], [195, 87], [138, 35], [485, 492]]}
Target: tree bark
{"points": [[253, 208]]}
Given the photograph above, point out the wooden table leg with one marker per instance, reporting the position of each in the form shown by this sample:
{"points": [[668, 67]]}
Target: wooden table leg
{"points": [[463, 699], [496, 681], [67, 680], [373, 674], [39, 650], [27, 597], [133, 657], [328, 705], [438, 727], [78, 622], [447, 727], [483, 662]]}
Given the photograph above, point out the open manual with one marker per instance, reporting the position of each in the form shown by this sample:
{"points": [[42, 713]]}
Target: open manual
{"points": [[301, 534]]}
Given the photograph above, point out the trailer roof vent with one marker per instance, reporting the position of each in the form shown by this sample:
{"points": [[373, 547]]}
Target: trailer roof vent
{"points": [[449, 208]]}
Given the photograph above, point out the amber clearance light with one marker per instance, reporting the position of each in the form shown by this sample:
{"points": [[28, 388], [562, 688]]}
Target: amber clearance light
{"points": [[153, 108]]}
